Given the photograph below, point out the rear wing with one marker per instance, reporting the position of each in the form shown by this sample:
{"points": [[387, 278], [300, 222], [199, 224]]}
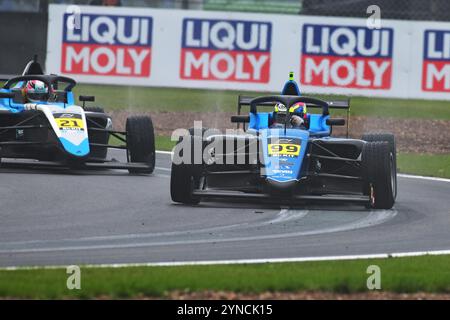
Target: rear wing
{"points": [[332, 104]]}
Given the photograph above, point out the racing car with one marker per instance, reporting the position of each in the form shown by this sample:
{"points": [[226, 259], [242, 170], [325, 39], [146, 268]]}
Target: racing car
{"points": [[275, 159], [40, 125]]}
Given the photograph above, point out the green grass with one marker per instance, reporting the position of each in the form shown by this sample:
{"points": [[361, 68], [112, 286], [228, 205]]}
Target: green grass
{"points": [[435, 165], [161, 142], [412, 274], [175, 99], [164, 143]]}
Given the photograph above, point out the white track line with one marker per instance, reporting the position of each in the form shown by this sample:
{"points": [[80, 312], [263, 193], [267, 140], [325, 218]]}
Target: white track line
{"points": [[374, 218], [164, 152], [403, 175], [246, 261], [163, 169]]}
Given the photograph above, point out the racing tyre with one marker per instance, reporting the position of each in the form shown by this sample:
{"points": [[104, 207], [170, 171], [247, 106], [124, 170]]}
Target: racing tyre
{"points": [[184, 180], [98, 153], [390, 139], [379, 174], [186, 177], [141, 143]]}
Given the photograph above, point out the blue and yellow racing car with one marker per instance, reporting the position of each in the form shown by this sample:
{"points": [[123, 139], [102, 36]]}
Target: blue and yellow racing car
{"points": [[285, 155]]}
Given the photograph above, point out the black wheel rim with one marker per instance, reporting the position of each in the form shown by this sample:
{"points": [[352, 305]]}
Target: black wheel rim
{"points": [[393, 177]]}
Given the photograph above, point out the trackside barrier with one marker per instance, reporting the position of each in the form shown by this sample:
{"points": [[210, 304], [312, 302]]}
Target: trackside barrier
{"points": [[249, 52]]}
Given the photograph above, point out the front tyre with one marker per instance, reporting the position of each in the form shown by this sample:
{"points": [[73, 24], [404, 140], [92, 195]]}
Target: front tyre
{"points": [[183, 181], [186, 177], [390, 139], [379, 174], [141, 143]]}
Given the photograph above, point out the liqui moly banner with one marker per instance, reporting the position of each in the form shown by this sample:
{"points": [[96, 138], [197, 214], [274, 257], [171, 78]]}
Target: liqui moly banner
{"points": [[346, 56], [228, 50], [249, 52], [107, 45], [436, 61]]}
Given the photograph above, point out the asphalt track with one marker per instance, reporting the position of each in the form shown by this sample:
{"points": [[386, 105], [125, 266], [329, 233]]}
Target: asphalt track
{"points": [[59, 217]]}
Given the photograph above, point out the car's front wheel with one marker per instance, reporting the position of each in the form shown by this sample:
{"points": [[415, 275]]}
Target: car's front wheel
{"points": [[183, 181], [390, 139], [186, 173], [140, 143], [379, 174]]}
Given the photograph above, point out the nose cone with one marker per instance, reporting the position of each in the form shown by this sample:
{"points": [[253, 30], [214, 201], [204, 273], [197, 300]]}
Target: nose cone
{"points": [[280, 189], [80, 150], [281, 185]]}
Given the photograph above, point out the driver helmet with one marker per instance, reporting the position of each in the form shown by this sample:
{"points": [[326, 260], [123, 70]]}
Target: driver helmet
{"points": [[280, 113], [36, 90], [299, 109]]}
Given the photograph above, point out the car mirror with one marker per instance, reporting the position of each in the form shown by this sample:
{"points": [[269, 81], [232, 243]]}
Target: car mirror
{"points": [[335, 122], [86, 98], [7, 95], [240, 119]]}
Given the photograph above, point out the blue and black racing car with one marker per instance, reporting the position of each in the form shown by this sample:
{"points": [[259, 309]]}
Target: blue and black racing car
{"points": [[286, 155]]}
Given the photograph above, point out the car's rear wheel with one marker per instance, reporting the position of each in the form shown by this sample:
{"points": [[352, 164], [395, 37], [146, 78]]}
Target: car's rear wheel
{"points": [[379, 174], [141, 143], [390, 139]]}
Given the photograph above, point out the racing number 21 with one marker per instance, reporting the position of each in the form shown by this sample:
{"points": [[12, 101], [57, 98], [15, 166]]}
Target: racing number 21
{"points": [[284, 149], [70, 123]]}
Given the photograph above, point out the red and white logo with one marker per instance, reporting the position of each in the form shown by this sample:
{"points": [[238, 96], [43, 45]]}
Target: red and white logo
{"points": [[108, 45], [346, 56], [436, 61], [227, 50]]}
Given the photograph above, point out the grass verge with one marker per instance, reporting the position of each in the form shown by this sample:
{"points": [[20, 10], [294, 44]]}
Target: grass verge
{"points": [[400, 275], [433, 165], [162, 143], [177, 99]]}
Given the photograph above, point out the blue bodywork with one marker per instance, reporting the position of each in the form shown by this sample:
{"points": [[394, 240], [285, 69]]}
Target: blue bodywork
{"points": [[287, 167], [77, 150], [13, 107]]}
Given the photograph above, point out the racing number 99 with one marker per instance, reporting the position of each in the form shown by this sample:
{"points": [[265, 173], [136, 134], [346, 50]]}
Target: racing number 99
{"points": [[284, 149]]}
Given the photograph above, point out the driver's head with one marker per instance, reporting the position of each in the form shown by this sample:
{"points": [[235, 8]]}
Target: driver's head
{"points": [[299, 109], [279, 113], [36, 90]]}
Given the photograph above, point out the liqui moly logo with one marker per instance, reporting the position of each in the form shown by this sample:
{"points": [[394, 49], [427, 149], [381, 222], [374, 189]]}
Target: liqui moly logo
{"points": [[436, 61], [108, 45], [346, 56], [227, 50]]}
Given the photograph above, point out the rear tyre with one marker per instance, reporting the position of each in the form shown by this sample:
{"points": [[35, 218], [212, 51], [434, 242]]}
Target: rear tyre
{"points": [[379, 174], [140, 143], [390, 139]]}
